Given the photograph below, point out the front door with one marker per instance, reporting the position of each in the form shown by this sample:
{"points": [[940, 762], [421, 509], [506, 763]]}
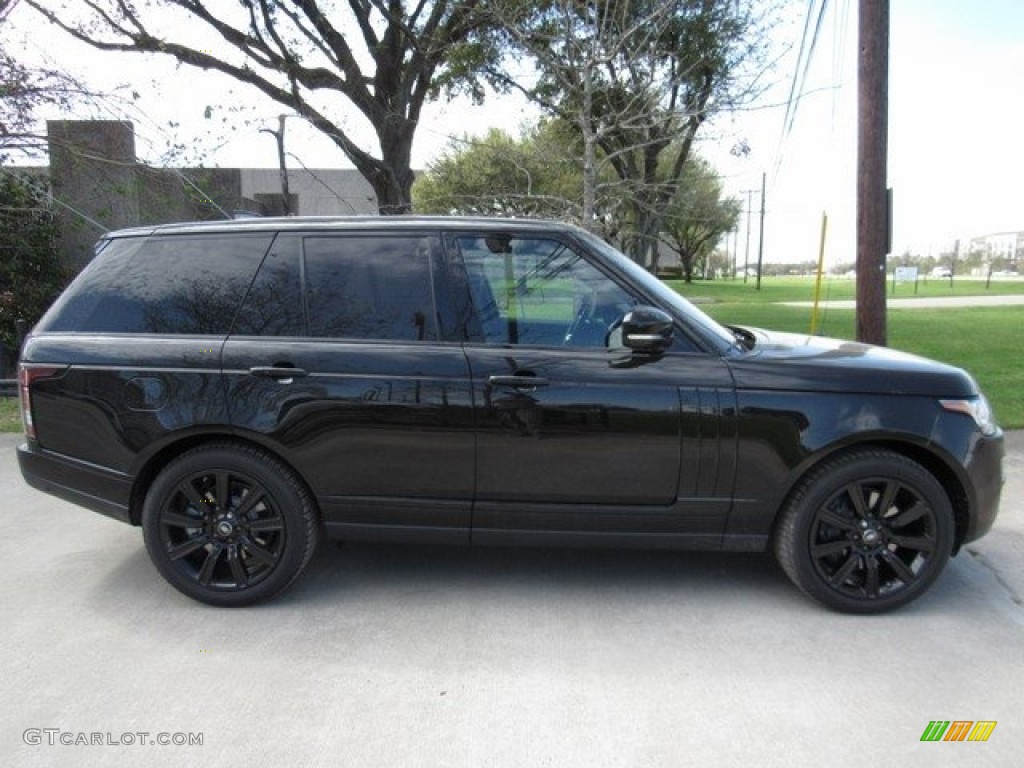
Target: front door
{"points": [[571, 441]]}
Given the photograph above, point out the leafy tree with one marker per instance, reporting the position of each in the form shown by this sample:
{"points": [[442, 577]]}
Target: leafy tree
{"points": [[698, 216], [636, 77], [31, 272], [385, 58], [498, 174], [539, 174]]}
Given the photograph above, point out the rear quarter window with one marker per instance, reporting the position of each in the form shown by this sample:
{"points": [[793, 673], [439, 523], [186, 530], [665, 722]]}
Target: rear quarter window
{"points": [[180, 284]]}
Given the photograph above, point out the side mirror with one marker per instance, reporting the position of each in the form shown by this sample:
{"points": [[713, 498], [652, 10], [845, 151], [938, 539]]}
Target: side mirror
{"points": [[645, 330]]}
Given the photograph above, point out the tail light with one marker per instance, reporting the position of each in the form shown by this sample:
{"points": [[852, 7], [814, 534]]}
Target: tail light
{"points": [[26, 375]]}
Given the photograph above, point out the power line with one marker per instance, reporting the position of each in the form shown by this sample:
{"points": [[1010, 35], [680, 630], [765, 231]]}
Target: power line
{"points": [[803, 66]]}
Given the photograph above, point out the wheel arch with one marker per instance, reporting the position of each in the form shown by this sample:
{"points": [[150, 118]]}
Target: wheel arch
{"points": [[167, 453], [940, 468]]}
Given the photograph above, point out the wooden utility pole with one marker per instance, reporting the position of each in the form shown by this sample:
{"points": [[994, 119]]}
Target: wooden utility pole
{"points": [[760, 244], [872, 199], [746, 254]]}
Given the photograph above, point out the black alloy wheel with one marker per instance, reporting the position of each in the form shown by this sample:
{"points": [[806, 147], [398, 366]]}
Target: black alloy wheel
{"points": [[229, 524], [866, 532]]}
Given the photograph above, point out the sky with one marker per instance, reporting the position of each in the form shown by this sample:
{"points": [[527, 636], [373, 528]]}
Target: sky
{"points": [[956, 112], [956, 75]]}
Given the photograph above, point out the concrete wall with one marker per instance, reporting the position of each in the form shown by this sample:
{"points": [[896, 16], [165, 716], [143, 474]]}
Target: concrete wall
{"points": [[92, 174], [319, 192], [99, 186], [191, 194]]}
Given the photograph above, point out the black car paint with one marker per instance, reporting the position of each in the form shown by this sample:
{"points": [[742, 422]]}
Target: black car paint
{"points": [[450, 441]]}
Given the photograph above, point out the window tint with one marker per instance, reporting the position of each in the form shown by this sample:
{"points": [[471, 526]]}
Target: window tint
{"points": [[539, 291], [273, 306], [370, 287], [163, 284]]}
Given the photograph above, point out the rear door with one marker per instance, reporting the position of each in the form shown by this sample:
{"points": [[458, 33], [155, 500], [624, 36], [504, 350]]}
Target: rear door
{"points": [[340, 359]]}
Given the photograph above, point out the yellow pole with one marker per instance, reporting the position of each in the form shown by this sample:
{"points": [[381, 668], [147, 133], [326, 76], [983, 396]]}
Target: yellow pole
{"points": [[821, 268]]}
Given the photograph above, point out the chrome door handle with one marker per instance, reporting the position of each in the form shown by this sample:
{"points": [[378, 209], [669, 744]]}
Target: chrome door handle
{"points": [[277, 372], [518, 382]]}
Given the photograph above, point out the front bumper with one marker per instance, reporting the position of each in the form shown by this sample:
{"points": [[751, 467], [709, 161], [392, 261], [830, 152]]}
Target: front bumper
{"points": [[984, 465]]}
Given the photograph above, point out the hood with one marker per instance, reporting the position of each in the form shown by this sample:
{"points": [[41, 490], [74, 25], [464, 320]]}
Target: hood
{"points": [[793, 361]]}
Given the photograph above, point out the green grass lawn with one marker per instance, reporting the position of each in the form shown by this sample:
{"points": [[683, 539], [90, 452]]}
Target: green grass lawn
{"points": [[10, 415], [984, 340], [802, 289]]}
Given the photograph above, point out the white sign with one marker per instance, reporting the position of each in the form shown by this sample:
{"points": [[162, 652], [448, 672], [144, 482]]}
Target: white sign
{"points": [[906, 274]]}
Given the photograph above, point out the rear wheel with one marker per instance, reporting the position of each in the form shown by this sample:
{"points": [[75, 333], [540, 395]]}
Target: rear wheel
{"points": [[228, 524], [866, 532]]}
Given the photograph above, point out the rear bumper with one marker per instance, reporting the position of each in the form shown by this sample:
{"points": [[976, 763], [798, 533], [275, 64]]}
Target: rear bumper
{"points": [[86, 485]]}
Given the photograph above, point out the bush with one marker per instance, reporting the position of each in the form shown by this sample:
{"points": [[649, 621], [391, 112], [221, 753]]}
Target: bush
{"points": [[31, 271]]}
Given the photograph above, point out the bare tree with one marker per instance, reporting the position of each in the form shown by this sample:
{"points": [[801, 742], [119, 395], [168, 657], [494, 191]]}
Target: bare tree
{"points": [[385, 58], [637, 77], [23, 90]]}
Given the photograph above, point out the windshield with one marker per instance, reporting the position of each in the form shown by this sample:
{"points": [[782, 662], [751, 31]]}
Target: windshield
{"points": [[721, 335]]}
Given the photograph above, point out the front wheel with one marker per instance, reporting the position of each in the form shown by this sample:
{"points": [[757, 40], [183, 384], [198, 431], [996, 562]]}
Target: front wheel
{"points": [[229, 524], [866, 532]]}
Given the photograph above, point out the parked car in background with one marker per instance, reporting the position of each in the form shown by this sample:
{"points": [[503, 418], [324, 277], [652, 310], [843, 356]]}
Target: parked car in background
{"points": [[942, 272], [240, 389]]}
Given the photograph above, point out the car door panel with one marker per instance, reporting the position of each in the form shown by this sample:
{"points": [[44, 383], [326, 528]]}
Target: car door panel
{"points": [[574, 439], [382, 443], [381, 422]]}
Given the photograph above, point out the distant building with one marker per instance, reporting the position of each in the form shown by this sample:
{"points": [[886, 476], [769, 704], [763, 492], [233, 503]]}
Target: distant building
{"points": [[999, 245], [98, 185]]}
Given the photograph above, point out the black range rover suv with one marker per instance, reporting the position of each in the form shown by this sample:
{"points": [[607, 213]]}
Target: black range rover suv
{"points": [[240, 389]]}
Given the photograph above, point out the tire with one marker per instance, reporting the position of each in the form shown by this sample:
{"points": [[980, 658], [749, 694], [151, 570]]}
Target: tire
{"points": [[866, 532], [229, 524]]}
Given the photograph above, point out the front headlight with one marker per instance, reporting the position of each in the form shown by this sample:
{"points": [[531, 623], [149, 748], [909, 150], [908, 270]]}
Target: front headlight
{"points": [[978, 409]]}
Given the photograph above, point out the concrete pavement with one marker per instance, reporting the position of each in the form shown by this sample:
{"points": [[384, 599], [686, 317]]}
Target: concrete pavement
{"points": [[933, 302], [422, 656]]}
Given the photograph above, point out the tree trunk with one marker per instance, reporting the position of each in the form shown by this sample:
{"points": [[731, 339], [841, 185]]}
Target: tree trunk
{"points": [[589, 150], [686, 259], [393, 190], [392, 176]]}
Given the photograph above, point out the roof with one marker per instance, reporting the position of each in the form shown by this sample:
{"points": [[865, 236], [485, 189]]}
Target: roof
{"points": [[345, 223]]}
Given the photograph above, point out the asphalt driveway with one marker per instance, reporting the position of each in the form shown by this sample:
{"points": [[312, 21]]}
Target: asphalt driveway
{"points": [[421, 656]]}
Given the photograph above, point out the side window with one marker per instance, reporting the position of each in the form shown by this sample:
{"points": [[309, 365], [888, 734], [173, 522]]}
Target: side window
{"points": [[370, 287], [539, 291], [181, 284], [273, 306]]}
